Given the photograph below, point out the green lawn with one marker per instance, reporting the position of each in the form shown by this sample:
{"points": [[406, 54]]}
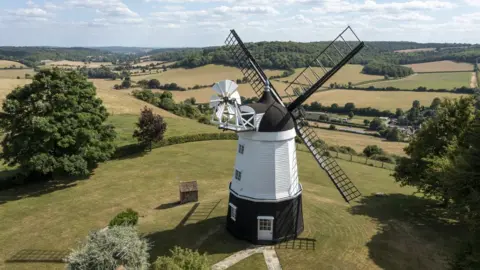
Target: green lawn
{"points": [[398, 231], [429, 80], [254, 262], [125, 125]]}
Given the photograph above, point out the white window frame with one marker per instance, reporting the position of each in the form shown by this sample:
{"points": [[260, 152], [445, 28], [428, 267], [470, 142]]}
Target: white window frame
{"points": [[241, 148], [233, 212], [238, 174]]}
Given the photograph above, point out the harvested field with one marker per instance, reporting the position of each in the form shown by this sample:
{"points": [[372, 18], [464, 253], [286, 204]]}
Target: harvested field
{"points": [[441, 66], [416, 50], [349, 73], [65, 63], [14, 73], [429, 80], [380, 100], [205, 75], [359, 142], [7, 63], [147, 63]]}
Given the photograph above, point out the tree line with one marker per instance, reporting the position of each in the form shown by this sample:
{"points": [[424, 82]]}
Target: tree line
{"points": [[387, 69]]}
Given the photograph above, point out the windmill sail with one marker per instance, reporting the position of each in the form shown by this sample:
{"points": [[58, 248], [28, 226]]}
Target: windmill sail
{"points": [[247, 64], [305, 85]]}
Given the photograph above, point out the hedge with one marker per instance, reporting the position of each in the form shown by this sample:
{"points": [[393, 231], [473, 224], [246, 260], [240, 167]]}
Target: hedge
{"points": [[132, 149]]}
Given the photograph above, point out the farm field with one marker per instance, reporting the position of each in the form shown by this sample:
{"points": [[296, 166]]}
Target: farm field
{"points": [[428, 80], [378, 100], [349, 73], [441, 66], [358, 141], [416, 50], [66, 63], [14, 73], [7, 63], [205, 75], [345, 236]]}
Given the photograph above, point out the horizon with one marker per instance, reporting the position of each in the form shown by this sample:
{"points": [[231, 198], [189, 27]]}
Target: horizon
{"points": [[202, 23]]}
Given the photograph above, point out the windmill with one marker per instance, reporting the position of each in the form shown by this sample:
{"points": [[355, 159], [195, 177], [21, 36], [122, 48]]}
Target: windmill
{"points": [[265, 202]]}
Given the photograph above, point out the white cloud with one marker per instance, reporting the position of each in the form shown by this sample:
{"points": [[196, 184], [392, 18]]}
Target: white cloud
{"points": [[51, 6], [114, 8], [475, 3], [29, 12], [246, 10], [174, 8], [408, 16]]}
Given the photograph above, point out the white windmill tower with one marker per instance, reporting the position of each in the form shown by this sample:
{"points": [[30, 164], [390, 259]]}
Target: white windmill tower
{"points": [[265, 202]]}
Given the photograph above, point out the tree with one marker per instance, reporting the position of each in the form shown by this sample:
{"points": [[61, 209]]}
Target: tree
{"points": [[377, 124], [349, 106], [109, 249], [332, 127], [351, 115], [366, 122], [334, 106], [182, 259], [394, 135], [373, 150], [56, 124], [430, 149], [126, 83], [150, 127], [191, 101], [154, 84], [435, 103], [399, 113], [315, 106]]}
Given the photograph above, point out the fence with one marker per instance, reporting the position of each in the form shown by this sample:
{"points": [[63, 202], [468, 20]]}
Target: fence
{"points": [[356, 159]]}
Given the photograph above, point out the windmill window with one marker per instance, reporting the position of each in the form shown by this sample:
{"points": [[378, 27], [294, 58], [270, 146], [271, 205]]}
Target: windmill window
{"points": [[241, 148], [233, 212], [238, 175]]}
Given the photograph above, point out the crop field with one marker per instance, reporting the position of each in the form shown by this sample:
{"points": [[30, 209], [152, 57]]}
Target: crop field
{"points": [[349, 73], [428, 80], [441, 66], [7, 63], [205, 75], [345, 236], [416, 50], [66, 63], [14, 73], [359, 142], [147, 63], [378, 100]]}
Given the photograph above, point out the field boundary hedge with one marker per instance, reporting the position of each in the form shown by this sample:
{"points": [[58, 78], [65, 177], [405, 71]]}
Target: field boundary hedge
{"points": [[132, 149]]}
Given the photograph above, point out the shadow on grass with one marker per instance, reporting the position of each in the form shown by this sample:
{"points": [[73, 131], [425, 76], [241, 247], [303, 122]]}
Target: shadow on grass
{"points": [[36, 188], [414, 233], [167, 205], [39, 255], [207, 236]]}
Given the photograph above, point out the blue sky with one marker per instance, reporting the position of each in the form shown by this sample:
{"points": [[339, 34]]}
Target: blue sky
{"points": [[180, 23]]}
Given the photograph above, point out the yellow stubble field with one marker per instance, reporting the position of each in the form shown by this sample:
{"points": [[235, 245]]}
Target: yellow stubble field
{"points": [[441, 66], [7, 63]]}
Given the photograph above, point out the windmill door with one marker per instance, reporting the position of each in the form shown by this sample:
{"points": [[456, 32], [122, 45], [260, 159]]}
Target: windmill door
{"points": [[265, 228]]}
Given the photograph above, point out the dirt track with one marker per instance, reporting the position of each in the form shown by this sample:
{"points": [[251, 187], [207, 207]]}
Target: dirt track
{"points": [[473, 81]]}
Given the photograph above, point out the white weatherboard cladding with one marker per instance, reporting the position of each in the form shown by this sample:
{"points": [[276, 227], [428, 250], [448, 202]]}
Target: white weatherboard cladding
{"points": [[268, 166]]}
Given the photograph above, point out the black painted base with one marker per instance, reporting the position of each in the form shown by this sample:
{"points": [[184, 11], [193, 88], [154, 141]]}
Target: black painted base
{"points": [[287, 222]]}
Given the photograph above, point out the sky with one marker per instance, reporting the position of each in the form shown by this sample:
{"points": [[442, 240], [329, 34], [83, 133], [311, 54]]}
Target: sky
{"points": [[198, 23]]}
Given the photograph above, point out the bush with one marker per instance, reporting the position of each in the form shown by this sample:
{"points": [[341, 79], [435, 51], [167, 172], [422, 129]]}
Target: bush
{"points": [[346, 150], [110, 248], [373, 150], [204, 120], [332, 127], [125, 218], [383, 158], [182, 259], [376, 124]]}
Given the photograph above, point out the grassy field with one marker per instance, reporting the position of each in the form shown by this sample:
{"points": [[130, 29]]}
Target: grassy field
{"points": [[205, 75], [358, 141], [7, 63], [397, 231], [14, 73], [416, 50], [429, 80], [349, 73], [441, 66], [378, 100], [254, 262]]}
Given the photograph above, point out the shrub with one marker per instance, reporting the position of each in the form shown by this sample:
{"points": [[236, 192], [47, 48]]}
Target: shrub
{"points": [[346, 150], [383, 158], [332, 127], [125, 218], [373, 150], [204, 120], [110, 248], [182, 259]]}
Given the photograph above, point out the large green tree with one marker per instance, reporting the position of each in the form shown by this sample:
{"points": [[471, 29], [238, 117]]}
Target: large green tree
{"points": [[56, 124], [430, 151]]}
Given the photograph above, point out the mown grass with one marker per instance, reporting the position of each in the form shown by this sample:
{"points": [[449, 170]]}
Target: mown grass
{"points": [[254, 262], [382, 100], [428, 80], [372, 233]]}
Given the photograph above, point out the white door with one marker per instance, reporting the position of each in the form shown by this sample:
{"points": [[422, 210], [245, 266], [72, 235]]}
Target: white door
{"points": [[265, 228]]}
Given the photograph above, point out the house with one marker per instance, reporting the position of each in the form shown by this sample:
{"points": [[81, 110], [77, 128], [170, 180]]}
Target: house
{"points": [[188, 192]]}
